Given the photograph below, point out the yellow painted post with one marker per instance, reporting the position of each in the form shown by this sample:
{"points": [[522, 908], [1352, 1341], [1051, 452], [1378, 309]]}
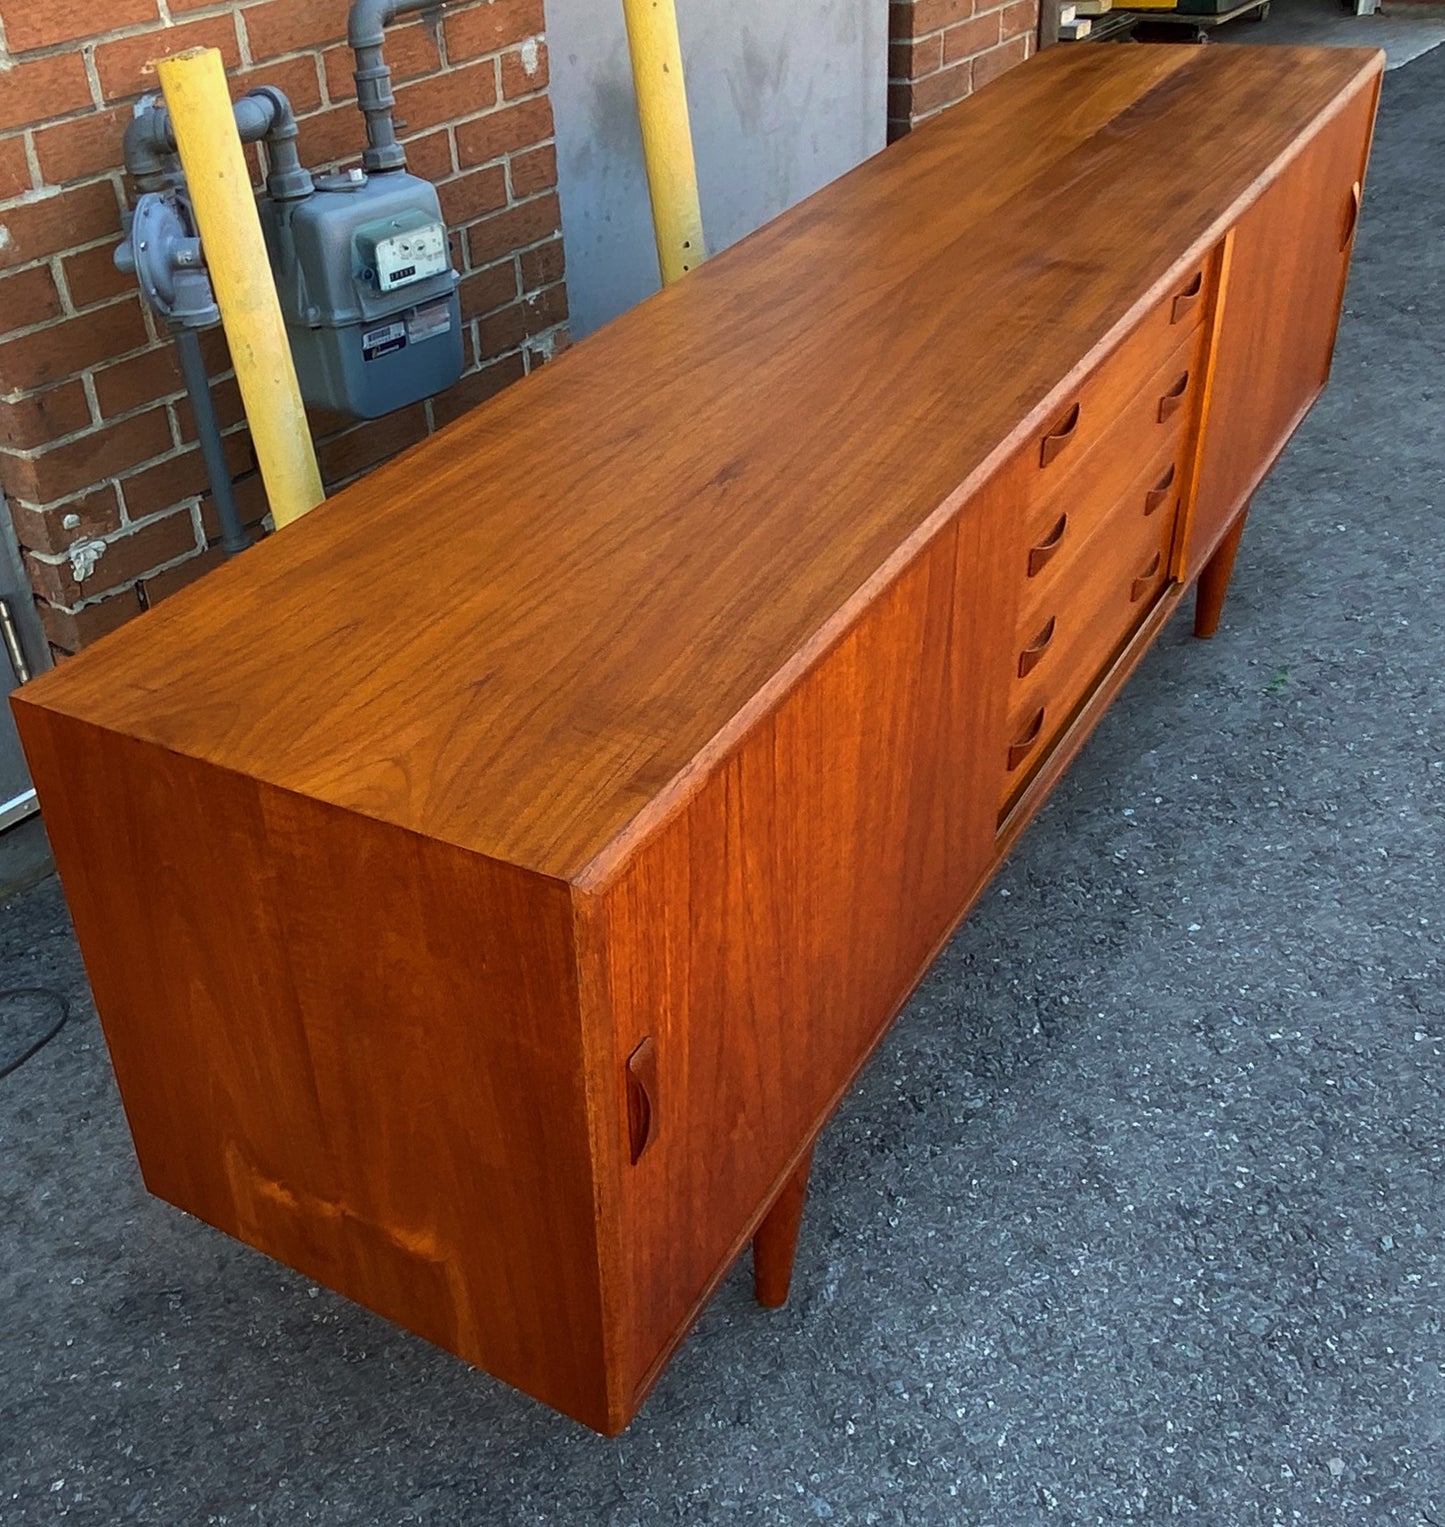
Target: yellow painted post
{"points": [[194, 85], [666, 134]]}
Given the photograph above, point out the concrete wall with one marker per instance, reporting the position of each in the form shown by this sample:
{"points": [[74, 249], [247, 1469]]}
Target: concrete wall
{"points": [[784, 98]]}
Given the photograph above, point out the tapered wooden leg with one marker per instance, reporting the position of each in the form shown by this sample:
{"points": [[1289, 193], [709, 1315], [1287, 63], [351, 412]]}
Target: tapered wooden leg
{"points": [[1214, 580], [776, 1239]]}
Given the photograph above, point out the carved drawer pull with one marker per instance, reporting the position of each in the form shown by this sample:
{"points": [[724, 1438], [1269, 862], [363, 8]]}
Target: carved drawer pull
{"points": [[641, 1097], [1039, 555], [1031, 656], [1188, 299], [1058, 438], [1352, 215], [1140, 585], [1169, 403], [1026, 741], [1159, 492]]}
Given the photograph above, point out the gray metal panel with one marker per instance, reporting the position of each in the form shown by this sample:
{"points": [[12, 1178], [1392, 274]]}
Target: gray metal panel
{"points": [[784, 98]]}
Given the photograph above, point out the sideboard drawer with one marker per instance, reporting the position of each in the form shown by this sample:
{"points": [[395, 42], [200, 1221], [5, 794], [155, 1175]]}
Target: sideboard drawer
{"points": [[1061, 446], [1063, 647], [1149, 431]]}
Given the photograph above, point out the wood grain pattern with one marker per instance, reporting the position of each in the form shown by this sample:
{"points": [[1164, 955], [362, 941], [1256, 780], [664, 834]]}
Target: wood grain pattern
{"points": [[356, 1049], [974, 265], [499, 968], [1277, 331]]}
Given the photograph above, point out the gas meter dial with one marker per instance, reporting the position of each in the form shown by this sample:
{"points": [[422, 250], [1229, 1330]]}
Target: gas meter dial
{"points": [[400, 256]]}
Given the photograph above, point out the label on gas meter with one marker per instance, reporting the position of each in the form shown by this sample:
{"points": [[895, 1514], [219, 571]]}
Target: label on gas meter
{"points": [[426, 323], [382, 340]]}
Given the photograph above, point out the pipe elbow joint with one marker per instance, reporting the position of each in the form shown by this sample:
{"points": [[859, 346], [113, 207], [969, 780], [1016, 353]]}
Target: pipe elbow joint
{"points": [[148, 142]]}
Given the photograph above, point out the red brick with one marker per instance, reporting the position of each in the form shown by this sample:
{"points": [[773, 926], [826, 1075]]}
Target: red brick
{"points": [[912, 60], [998, 61], [88, 459], [505, 131], [165, 484], [511, 326], [473, 195], [490, 28], [534, 171], [127, 65], [37, 418], [144, 378], [368, 445], [331, 137], [59, 83], [70, 630], [968, 41], [31, 24], [52, 223], [293, 26], [1019, 18], [543, 265], [91, 276], [517, 78], [297, 78], [499, 235], [160, 585], [46, 530], [476, 388], [14, 169], [430, 156], [411, 52], [28, 297], [925, 16], [66, 349], [545, 309], [83, 147], [938, 90], [125, 558], [446, 97], [489, 289]]}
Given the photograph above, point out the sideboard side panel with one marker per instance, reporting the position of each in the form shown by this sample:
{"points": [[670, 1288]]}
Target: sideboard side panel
{"points": [[765, 936], [356, 1049], [1281, 307]]}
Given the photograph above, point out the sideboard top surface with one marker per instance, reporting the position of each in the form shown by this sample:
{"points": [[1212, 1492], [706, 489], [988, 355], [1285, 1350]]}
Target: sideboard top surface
{"points": [[522, 636]]}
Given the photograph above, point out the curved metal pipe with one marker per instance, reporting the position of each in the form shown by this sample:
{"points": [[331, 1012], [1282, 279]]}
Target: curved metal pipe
{"points": [[365, 33], [263, 115]]}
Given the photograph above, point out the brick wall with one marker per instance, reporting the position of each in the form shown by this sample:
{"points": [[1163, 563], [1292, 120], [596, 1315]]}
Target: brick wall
{"points": [[942, 50], [97, 448]]}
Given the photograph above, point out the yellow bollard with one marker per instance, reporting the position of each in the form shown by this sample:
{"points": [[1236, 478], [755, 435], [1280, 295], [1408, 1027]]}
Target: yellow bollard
{"points": [[666, 134], [194, 85]]}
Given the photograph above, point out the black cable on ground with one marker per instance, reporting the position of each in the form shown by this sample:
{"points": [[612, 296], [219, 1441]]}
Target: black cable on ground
{"points": [[62, 1005]]}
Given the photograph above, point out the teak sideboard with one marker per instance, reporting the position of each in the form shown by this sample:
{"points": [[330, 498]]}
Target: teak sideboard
{"points": [[491, 883]]}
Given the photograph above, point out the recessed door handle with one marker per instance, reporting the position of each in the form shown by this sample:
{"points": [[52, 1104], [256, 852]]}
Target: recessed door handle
{"points": [[1059, 437], [1186, 301], [1026, 741], [641, 1097], [1169, 404], [1039, 555], [1352, 215], [1159, 492], [1032, 655], [1140, 585]]}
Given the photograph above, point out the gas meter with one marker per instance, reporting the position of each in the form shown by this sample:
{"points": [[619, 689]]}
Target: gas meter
{"points": [[364, 273], [361, 259]]}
